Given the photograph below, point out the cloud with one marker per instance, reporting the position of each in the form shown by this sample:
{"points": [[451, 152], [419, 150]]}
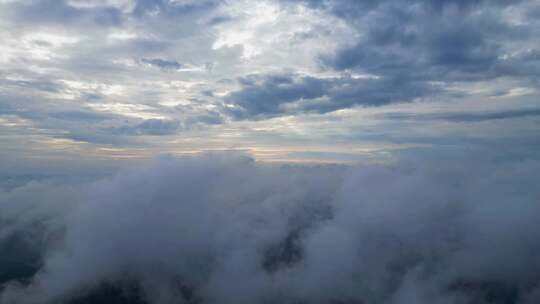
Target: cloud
{"points": [[442, 41], [268, 94], [271, 95], [150, 127], [465, 117], [61, 12], [271, 75], [426, 43], [162, 63], [172, 8], [40, 85], [398, 53], [224, 229], [80, 116]]}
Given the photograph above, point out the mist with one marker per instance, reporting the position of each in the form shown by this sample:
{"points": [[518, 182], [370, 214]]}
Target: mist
{"points": [[224, 228]]}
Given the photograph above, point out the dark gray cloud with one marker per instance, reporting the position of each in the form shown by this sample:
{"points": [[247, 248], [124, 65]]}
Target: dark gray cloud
{"points": [[40, 84], [219, 19], [355, 9], [265, 95], [62, 12], [172, 8], [118, 132], [5, 108], [162, 63], [180, 230], [59, 12], [81, 116], [432, 40], [465, 117], [97, 137], [150, 127], [269, 95], [208, 118], [409, 48]]}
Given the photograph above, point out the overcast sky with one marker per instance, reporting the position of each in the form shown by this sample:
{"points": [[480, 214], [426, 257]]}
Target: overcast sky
{"points": [[317, 81], [106, 104]]}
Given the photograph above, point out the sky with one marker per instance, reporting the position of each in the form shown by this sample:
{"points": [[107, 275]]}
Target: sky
{"points": [[286, 81]]}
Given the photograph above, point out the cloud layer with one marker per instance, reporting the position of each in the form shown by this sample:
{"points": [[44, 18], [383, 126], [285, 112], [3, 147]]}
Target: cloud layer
{"points": [[225, 229], [140, 76]]}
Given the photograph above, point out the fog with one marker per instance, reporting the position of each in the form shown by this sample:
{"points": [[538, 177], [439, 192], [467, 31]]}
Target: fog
{"points": [[223, 228]]}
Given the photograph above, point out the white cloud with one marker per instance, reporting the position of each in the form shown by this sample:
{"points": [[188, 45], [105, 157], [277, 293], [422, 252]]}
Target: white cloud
{"points": [[235, 231]]}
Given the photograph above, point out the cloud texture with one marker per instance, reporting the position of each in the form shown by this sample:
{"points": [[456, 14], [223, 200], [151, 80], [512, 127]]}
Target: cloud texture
{"points": [[132, 77], [225, 229]]}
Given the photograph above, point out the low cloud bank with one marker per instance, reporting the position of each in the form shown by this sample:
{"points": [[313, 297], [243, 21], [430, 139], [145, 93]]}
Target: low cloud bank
{"points": [[225, 229]]}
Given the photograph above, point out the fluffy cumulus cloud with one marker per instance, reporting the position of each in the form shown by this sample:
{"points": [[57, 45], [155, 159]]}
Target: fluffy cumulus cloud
{"points": [[221, 228]]}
